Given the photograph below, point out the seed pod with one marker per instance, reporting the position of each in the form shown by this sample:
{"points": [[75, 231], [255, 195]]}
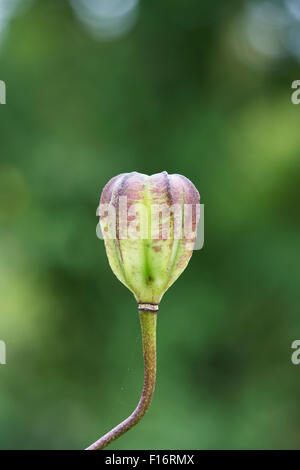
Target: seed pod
{"points": [[149, 227]]}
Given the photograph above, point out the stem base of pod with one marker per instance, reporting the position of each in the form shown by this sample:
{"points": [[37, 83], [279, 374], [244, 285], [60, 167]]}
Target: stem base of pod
{"points": [[148, 317]]}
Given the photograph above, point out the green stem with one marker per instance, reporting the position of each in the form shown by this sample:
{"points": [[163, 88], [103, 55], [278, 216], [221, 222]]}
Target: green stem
{"points": [[148, 326]]}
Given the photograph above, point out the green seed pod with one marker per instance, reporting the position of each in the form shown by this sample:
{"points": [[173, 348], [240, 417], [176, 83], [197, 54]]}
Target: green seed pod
{"points": [[149, 228]]}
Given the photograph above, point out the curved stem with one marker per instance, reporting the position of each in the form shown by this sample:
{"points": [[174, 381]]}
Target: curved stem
{"points": [[148, 326]]}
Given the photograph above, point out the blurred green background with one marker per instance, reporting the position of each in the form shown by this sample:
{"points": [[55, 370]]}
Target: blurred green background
{"points": [[201, 88]]}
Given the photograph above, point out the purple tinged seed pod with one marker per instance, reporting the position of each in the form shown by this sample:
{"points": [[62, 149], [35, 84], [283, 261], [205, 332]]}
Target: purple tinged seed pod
{"points": [[149, 226]]}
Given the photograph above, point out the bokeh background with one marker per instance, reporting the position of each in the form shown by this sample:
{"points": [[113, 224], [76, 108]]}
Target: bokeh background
{"points": [[100, 87]]}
